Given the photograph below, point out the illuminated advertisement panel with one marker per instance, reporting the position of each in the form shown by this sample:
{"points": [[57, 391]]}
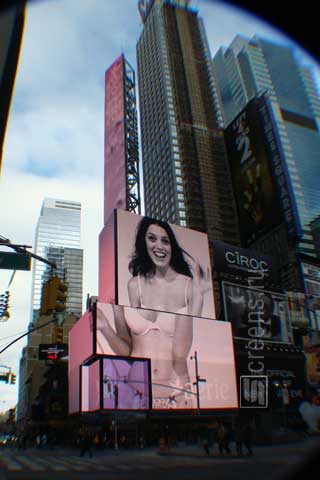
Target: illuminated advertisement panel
{"points": [[240, 261], [115, 165], [255, 192], [311, 345], [163, 267], [256, 313], [81, 347], [176, 345], [298, 310], [279, 166]]}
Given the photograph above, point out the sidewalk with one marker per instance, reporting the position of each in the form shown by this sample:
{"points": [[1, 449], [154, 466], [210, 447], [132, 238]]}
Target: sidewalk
{"points": [[194, 451], [306, 445]]}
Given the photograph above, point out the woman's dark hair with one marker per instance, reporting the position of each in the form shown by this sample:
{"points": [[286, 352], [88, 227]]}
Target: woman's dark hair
{"points": [[141, 263]]}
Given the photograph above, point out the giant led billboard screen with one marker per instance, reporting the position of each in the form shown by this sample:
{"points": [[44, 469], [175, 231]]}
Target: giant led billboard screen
{"points": [[256, 313], [255, 190], [162, 267], [170, 341]]}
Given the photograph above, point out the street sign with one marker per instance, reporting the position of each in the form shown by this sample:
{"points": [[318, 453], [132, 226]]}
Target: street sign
{"points": [[14, 261], [51, 351]]}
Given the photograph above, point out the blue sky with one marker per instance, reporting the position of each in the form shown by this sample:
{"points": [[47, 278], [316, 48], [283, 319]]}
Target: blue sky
{"points": [[54, 141]]}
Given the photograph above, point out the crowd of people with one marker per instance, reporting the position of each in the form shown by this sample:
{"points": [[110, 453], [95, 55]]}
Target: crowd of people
{"points": [[223, 436]]}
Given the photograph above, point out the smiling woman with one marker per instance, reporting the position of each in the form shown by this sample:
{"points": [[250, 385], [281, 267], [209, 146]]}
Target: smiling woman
{"points": [[162, 278]]}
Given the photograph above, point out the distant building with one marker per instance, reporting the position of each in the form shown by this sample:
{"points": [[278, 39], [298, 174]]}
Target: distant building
{"points": [[69, 263], [57, 240], [248, 67], [315, 229], [32, 370], [58, 230]]}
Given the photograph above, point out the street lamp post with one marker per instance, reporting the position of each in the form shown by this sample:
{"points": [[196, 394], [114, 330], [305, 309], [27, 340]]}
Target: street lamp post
{"points": [[198, 380]]}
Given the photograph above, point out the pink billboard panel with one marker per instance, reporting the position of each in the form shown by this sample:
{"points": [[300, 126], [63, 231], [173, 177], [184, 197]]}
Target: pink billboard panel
{"points": [[114, 152], [163, 267], [170, 342], [90, 387], [80, 348], [107, 273]]}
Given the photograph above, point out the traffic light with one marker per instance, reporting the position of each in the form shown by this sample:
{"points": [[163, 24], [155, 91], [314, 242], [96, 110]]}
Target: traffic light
{"points": [[44, 298], [57, 296], [58, 334], [13, 378], [4, 306]]}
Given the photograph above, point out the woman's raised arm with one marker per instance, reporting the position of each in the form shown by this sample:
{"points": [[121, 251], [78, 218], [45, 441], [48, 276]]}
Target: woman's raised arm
{"points": [[119, 342], [182, 341]]}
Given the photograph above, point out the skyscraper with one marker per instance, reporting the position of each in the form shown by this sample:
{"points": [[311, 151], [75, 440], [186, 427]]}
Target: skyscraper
{"points": [[251, 66], [58, 239], [11, 32], [186, 177]]}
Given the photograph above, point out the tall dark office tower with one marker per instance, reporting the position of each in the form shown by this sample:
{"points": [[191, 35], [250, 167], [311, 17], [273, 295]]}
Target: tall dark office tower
{"points": [[251, 66], [11, 31], [186, 177]]}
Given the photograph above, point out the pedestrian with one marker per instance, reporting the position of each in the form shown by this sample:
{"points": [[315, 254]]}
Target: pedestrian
{"points": [[38, 440], [205, 445], [141, 442], [247, 433], [44, 440], [222, 439], [85, 444], [238, 438]]}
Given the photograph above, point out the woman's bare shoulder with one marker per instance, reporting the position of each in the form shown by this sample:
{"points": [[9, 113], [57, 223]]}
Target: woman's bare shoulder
{"points": [[133, 282]]}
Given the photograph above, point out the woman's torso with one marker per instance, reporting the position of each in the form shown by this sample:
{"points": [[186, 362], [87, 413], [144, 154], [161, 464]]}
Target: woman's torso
{"points": [[166, 295]]}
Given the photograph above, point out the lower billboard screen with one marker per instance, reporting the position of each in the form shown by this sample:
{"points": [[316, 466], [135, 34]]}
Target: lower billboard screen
{"points": [[256, 313], [126, 384], [179, 348]]}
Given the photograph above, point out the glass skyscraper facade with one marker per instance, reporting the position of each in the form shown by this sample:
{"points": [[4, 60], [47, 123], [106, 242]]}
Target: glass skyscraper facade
{"points": [[58, 239], [185, 169], [249, 67]]}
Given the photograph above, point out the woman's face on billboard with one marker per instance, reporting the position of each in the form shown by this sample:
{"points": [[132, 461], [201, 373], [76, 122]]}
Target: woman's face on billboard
{"points": [[158, 246]]}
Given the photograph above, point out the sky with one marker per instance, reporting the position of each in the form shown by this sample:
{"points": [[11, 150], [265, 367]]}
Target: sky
{"points": [[55, 134]]}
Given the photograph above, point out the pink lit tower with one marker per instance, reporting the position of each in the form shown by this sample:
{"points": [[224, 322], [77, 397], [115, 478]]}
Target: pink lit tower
{"points": [[121, 163]]}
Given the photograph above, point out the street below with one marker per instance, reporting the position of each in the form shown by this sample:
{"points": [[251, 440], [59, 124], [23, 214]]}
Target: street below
{"points": [[279, 462]]}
